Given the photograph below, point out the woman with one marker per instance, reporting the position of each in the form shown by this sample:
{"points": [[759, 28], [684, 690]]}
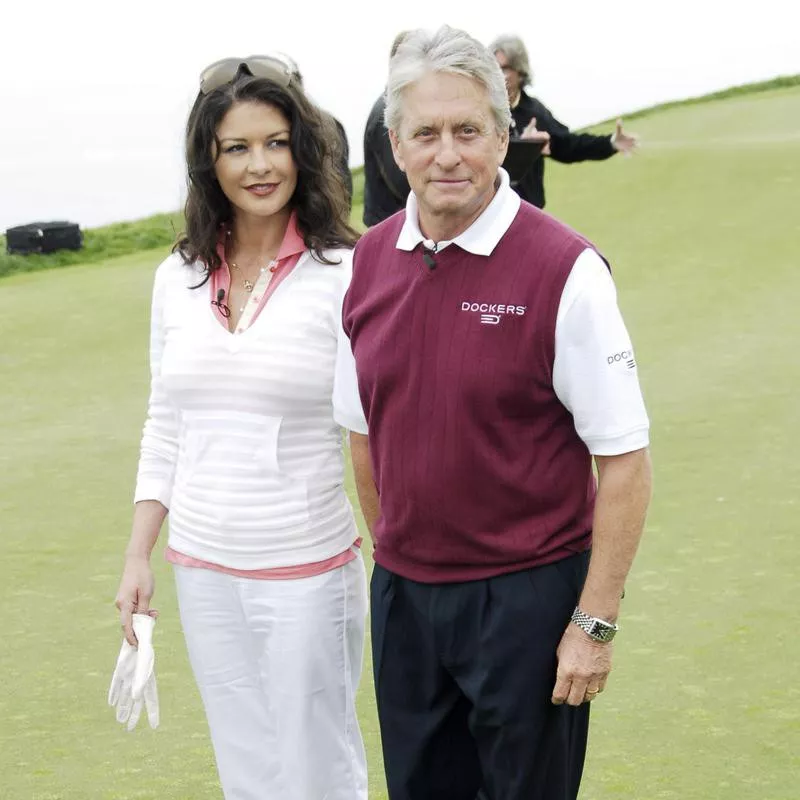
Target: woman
{"points": [[241, 447]]}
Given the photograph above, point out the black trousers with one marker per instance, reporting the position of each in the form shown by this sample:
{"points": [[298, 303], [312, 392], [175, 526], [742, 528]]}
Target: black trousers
{"points": [[463, 676]]}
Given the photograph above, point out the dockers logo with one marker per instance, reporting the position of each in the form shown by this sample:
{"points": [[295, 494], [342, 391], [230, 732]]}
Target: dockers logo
{"points": [[492, 313], [623, 359]]}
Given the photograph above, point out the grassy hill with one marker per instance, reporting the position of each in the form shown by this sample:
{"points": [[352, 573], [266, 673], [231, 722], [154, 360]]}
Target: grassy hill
{"points": [[701, 229]]}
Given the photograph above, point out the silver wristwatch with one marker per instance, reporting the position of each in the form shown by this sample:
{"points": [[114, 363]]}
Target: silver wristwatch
{"points": [[598, 629]]}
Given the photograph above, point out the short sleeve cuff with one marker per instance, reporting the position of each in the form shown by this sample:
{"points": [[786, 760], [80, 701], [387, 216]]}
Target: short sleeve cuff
{"points": [[350, 422], [628, 442]]}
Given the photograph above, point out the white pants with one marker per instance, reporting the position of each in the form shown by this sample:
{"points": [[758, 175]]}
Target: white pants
{"points": [[277, 663]]}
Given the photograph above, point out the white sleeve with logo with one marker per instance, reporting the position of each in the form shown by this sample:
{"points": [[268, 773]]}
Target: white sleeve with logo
{"points": [[594, 371]]}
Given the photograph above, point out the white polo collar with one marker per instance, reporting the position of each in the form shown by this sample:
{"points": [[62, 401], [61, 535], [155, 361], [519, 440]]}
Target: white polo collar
{"points": [[481, 237]]}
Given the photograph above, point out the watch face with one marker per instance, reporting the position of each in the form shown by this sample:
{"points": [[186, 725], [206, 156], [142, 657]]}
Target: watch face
{"points": [[600, 630]]}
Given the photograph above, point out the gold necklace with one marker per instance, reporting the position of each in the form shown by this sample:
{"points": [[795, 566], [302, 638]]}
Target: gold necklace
{"points": [[246, 282]]}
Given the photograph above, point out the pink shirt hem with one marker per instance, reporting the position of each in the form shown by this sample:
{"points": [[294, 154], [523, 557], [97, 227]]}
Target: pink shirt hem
{"points": [[273, 574]]}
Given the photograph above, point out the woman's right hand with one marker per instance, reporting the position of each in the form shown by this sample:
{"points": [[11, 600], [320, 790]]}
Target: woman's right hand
{"points": [[134, 594]]}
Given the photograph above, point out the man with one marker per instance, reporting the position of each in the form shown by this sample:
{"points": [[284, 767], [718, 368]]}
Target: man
{"points": [[492, 364], [385, 184], [531, 119]]}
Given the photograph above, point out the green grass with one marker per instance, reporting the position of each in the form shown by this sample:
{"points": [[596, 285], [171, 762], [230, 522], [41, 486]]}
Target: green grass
{"points": [[701, 229], [781, 82]]}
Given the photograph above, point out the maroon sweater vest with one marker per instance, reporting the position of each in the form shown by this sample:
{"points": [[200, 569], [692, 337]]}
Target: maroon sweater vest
{"points": [[478, 466]]}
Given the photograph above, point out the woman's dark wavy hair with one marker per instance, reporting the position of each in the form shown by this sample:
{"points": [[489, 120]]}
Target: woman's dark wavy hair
{"points": [[320, 199]]}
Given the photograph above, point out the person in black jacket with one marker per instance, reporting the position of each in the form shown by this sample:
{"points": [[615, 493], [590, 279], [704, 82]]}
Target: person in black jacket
{"points": [[531, 119], [385, 184]]}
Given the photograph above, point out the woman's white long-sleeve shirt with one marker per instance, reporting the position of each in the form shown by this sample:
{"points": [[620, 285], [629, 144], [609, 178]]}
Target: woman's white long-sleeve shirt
{"points": [[240, 443]]}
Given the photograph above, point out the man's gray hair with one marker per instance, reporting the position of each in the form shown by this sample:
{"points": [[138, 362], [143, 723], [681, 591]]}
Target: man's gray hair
{"points": [[451, 51], [514, 50]]}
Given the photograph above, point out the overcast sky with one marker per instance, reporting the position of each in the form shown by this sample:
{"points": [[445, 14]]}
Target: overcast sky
{"points": [[94, 95]]}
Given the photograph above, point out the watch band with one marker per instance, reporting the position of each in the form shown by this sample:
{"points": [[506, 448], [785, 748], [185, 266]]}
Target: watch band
{"points": [[598, 629]]}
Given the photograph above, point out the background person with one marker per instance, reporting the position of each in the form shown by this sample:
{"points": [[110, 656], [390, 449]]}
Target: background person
{"points": [[531, 119], [385, 185], [241, 448], [485, 337]]}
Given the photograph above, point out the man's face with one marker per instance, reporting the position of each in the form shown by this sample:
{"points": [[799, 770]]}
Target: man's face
{"points": [[449, 147], [513, 79]]}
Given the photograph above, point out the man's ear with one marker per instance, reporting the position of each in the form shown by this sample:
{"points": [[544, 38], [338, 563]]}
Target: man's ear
{"points": [[398, 158], [503, 145]]}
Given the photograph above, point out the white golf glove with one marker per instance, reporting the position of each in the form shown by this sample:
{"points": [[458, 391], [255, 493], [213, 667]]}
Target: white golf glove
{"points": [[133, 683]]}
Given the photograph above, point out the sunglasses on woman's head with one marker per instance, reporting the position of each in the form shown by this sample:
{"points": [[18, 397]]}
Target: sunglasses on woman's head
{"points": [[224, 71]]}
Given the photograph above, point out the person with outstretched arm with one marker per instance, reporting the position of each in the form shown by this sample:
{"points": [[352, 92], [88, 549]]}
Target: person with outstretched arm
{"points": [[531, 119]]}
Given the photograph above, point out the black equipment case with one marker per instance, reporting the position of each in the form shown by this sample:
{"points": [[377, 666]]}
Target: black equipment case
{"points": [[44, 237]]}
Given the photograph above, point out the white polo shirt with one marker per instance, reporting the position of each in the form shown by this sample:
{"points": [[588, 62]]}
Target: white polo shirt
{"points": [[594, 371]]}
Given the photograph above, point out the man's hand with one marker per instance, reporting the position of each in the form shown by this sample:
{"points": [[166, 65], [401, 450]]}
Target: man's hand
{"points": [[533, 134], [583, 667], [622, 142], [133, 684]]}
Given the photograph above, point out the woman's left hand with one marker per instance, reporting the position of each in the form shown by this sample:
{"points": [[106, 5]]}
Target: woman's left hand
{"points": [[135, 591]]}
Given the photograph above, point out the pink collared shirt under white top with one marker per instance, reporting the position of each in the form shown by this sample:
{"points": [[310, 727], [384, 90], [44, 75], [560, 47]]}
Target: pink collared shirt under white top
{"points": [[292, 247]]}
